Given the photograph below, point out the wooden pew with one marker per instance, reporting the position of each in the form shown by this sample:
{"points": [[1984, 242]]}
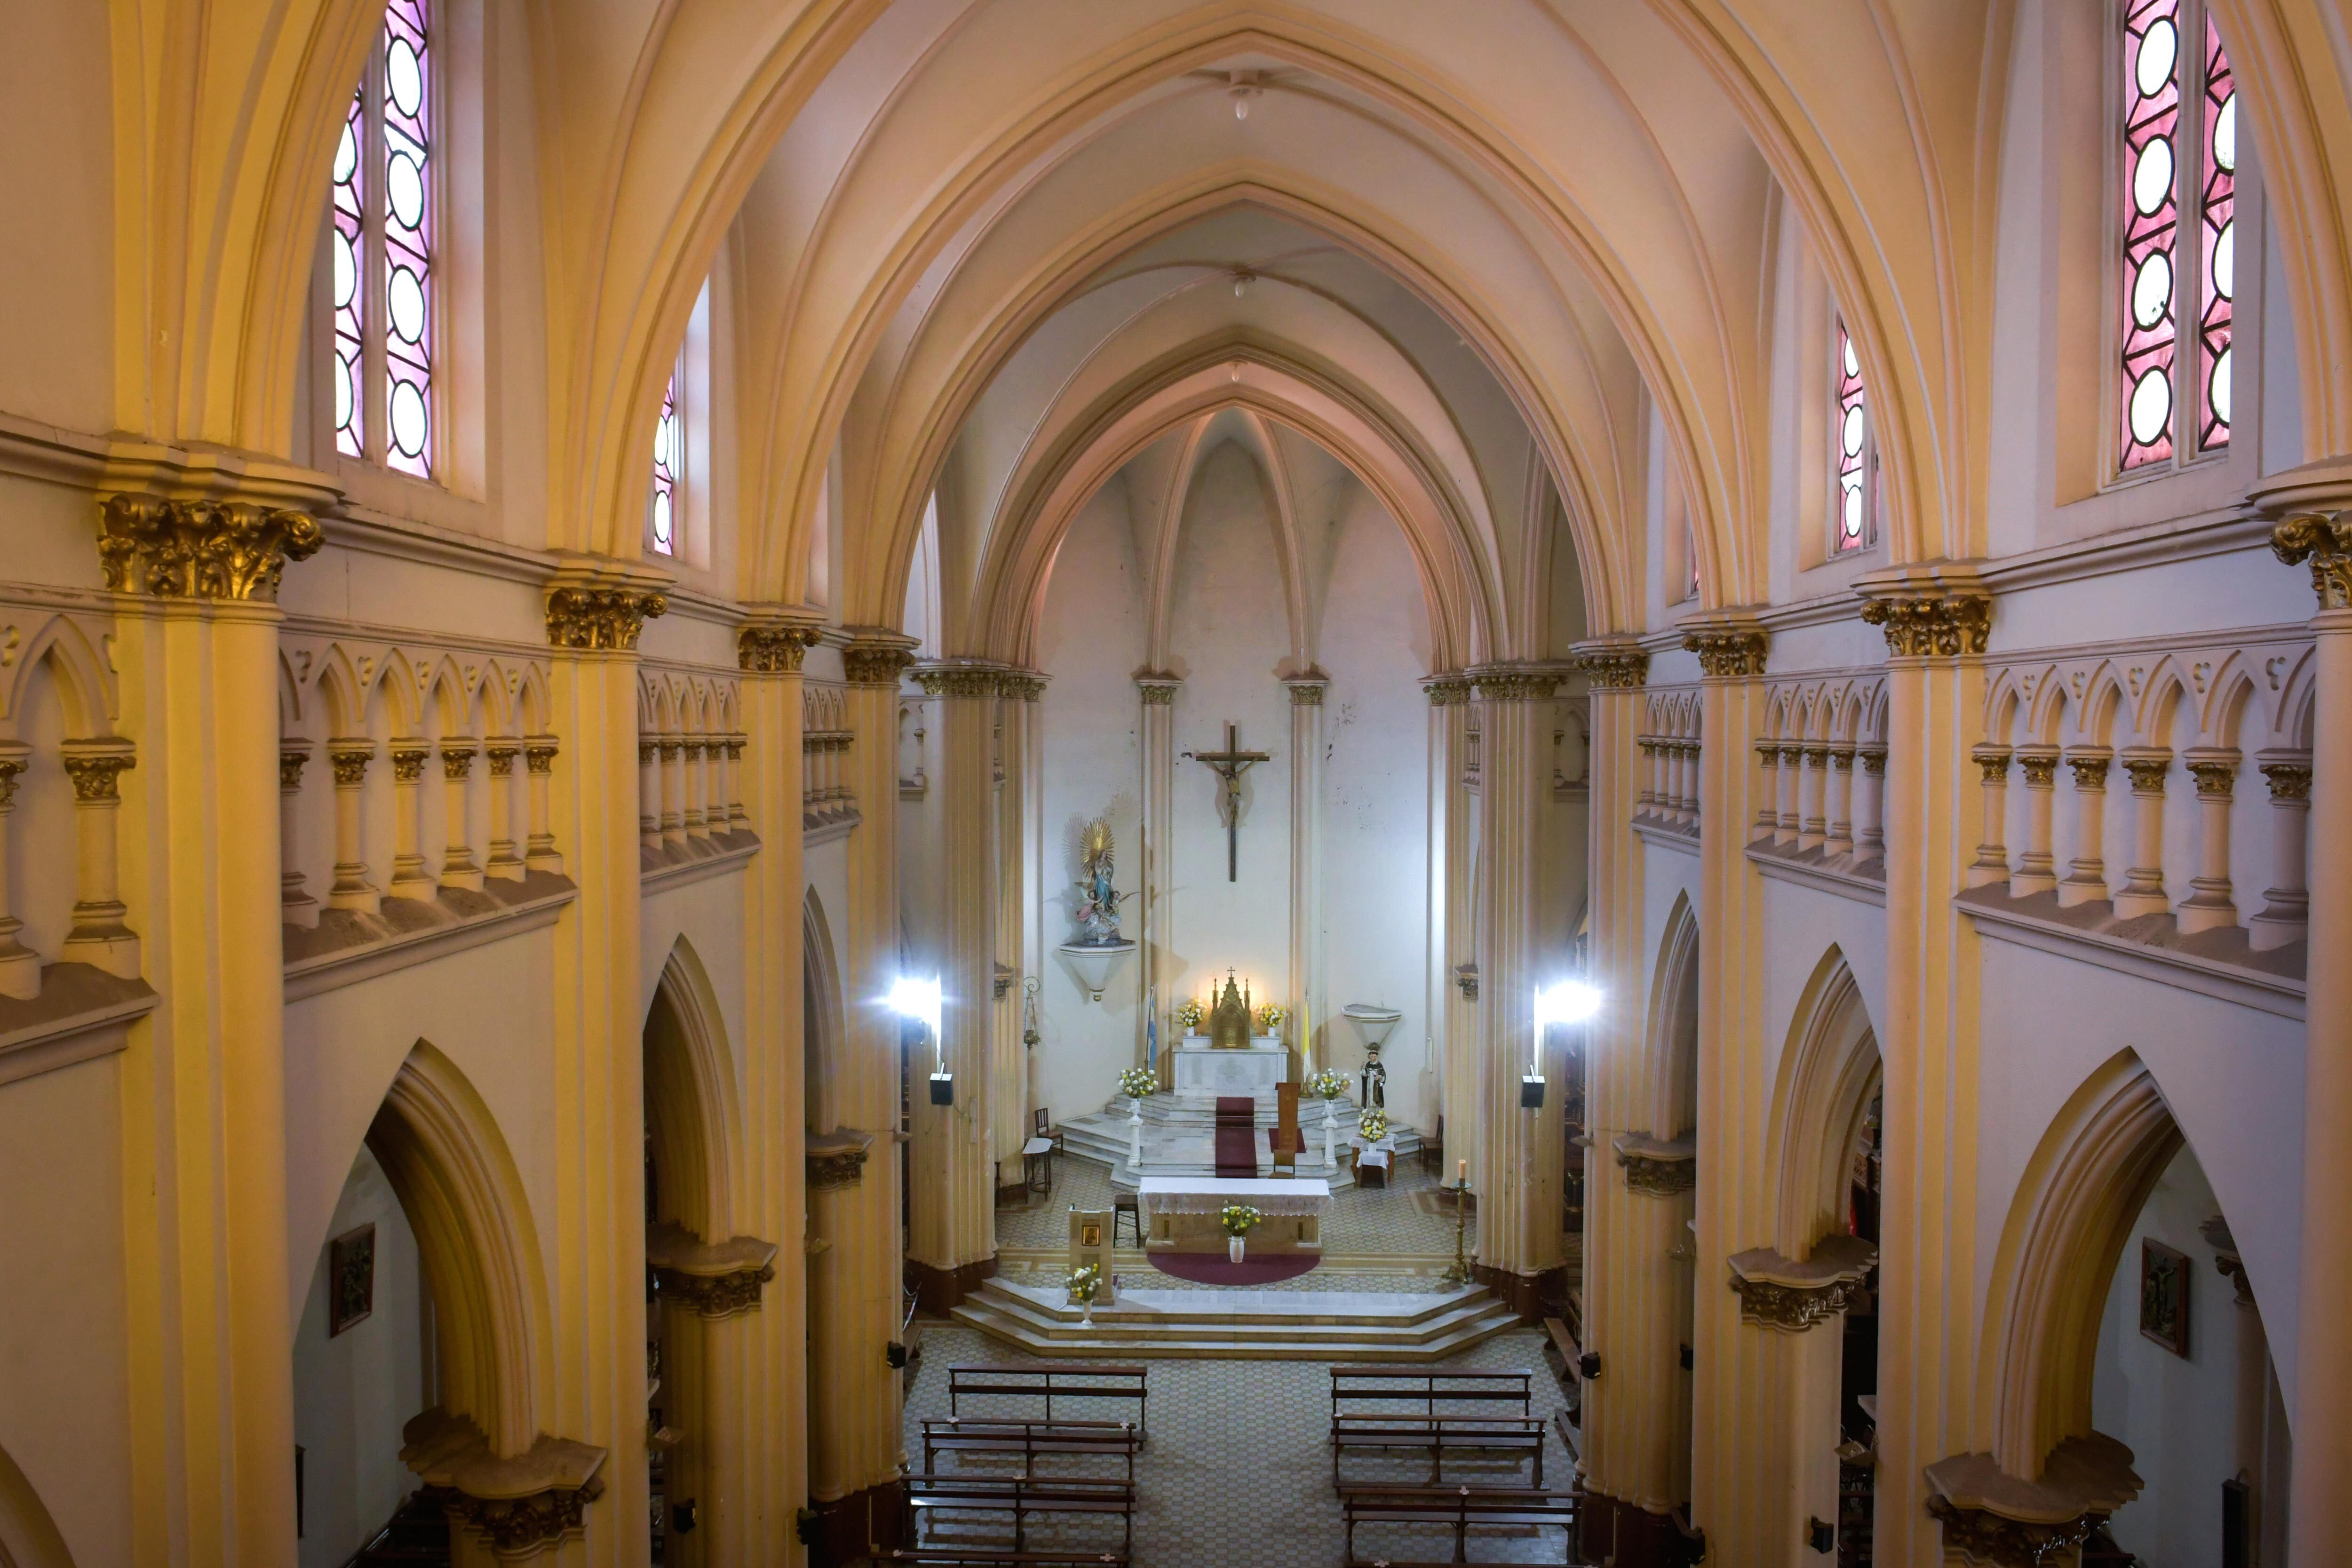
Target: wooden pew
{"points": [[1043, 1379], [960, 1434], [1437, 1434], [1458, 1509], [978, 1555], [959, 1492], [1481, 1394]]}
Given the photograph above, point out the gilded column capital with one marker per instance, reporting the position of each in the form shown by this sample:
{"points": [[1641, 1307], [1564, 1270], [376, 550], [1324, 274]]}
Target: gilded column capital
{"points": [[1613, 666], [292, 752], [1841, 758], [718, 1281], [456, 762], [2227, 1261], [876, 656], [960, 677], [14, 756], [775, 647], [95, 767], [1994, 759], [1307, 690], [2215, 769], [539, 753], [2039, 764], [1022, 685], [735, 744], [2324, 540], [672, 747], [502, 751], [1514, 683], [1157, 688], [1928, 612], [1874, 760], [837, 1159], [2090, 765], [520, 1506], [201, 549], [1728, 651], [2146, 767], [408, 759], [350, 759], [601, 619], [2288, 772], [1777, 1292], [1660, 1167], [1996, 1518], [1449, 690]]}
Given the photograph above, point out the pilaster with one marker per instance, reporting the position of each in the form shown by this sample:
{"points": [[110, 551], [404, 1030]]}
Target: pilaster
{"points": [[1016, 719], [1937, 617], [1158, 692], [1306, 867], [1453, 854], [191, 855], [951, 1233]]}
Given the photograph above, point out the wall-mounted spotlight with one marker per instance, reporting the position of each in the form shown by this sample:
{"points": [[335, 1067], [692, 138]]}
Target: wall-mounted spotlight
{"points": [[1569, 1002], [919, 1000]]}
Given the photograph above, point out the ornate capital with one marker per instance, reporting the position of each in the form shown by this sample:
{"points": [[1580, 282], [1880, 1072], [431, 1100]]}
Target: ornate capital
{"points": [[1514, 683], [960, 678], [1024, 685], [291, 756], [2288, 780], [456, 762], [350, 759], [1996, 1518], [735, 744], [1768, 752], [876, 657], [502, 753], [601, 618], [672, 747], [408, 758], [1729, 653], [1928, 612], [13, 758], [2147, 768], [2090, 766], [1841, 758], [721, 1281], [837, 1159], [647, 752], [95, 766], [2215, 769], [1874, 760], [1447, 690], [539, 753], [1775, 1292], [2227, 1262], [694, 746], [1157, 693], [1819, 756], [1658, 1166], [2039, 764], [1306, 693], [773, 649], [520, 1506], [2325, 541], [1617, 668], [201, 549], [1994, 761]]}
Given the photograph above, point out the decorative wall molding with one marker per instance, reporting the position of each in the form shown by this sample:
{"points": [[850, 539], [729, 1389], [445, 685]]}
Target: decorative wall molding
{"points": [[1661, 1167], [1934, 610], [1996, 1518], [730, 855], [1864, 881], [201, 549], [1729, 648], [520, 1506], [837, 1159], [775, 647], [876, 656], [2218, 964], [80, 1012], [347, 946], [1778, 1292], [719, 1279], [1613, 664]]}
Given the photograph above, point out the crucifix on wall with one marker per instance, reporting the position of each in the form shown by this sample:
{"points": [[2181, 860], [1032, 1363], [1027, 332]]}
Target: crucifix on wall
{"points": [[1229, 765]]}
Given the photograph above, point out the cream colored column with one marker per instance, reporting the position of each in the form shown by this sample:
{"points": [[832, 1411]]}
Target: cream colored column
{"points": [[409, 878], [458, 867], [951, 1233], [504, 864], [1627, 1232], [1157, 903], [1452, 855], [2209, 906], [597, 1243], [2037, 866], [2086, 881], [1813, 828], [855, 1280], [20, 966], [2143, 890], [1991, 864], [1936, 618], [300, 908], [1306, 869], [649, 834], [210, 1393], [1521, 1250], [1016, 718], [1742, 1469], [767, 1353], [1789, 788], [2320, 1508], [353, 891], [2287, 903], [1840, 843]]}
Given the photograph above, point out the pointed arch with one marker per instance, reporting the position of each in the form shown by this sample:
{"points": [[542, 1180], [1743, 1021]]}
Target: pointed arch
{"points": [[825, 1025], [29, 1538], [440, 1147], [691, 1106], [1672, 1090], [1821, 1095]]}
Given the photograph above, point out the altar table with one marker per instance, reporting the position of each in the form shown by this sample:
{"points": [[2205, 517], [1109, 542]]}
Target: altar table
{"points": [[1180, 1213], [1203, 1070]]}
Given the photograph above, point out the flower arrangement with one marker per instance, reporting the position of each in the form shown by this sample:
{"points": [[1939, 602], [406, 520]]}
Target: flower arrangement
{"points": [[1328, 1084], [1239, 1219], [1084, 1283], [1271, 1017], [1189, 1014], [1135, 1083], [1373, 1125]]}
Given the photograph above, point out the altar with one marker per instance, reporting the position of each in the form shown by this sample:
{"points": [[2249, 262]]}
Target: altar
{"points": [[1204, 1072], [1182, 1214]]}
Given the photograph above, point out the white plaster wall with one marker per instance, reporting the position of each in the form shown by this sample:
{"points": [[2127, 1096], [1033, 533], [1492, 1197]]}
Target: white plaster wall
{"points": [[2178, 1416], [2231, 1075], [353, 1393], [1800, 927]]}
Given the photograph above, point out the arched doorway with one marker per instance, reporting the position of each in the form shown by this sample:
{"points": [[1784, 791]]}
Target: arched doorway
{"points": [[28, 1536]]}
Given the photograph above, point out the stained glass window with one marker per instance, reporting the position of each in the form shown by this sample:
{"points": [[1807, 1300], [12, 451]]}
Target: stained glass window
{"points": [[2150, 219], [408, 172], [1854, 523], [2216, 227], [349, 242], [383, 229], [669, 438]]}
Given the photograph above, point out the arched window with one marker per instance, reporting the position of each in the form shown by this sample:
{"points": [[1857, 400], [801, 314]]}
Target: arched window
{"points": [[2180, 144], [383, 199], [669, 473], [1853, 521]]}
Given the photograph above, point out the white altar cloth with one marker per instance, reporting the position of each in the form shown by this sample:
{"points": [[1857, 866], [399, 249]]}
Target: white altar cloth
{"points": [[1181, 1213], [1203, 1069]]}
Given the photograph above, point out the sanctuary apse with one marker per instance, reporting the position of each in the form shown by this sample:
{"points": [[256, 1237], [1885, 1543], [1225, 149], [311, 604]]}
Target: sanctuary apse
{"points": [[655, 671]]}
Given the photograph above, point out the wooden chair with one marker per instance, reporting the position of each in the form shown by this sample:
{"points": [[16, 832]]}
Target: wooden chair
{"points": [[1037, 1154]]}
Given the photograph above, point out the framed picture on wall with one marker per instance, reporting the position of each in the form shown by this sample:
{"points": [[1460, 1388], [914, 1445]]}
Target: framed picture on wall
{"points": [[2164, 1296], [351, 1278]]}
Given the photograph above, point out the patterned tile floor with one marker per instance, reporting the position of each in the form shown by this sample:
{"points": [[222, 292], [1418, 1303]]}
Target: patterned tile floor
{"points": [[1237, 1472], [1362, 1223], [1143, 1276]]}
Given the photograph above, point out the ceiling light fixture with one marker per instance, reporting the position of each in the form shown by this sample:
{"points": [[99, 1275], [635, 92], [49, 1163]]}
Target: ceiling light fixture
{"points": [[1241, 87], [1242, 278]]}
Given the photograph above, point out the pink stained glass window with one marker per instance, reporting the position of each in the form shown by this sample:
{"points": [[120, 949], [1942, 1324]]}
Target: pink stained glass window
{"points": [[668, 437], [2217, 233], [349, 243], [408, 179], [2151, 62], [1852, 525]]}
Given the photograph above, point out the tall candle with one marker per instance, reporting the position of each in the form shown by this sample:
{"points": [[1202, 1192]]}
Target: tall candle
{"points": [[1462, 1168]]}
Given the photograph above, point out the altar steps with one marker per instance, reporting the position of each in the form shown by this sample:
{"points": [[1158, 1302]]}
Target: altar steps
{"points": [[1241, 1325], [1178, 1140]]}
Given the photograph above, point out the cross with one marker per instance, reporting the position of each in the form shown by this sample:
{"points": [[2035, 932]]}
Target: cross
{"points": [[1229, 765]]}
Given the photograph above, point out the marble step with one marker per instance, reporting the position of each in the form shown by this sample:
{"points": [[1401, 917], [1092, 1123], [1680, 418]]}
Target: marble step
{"points": [[1103, 1136], [1251, 1325]]}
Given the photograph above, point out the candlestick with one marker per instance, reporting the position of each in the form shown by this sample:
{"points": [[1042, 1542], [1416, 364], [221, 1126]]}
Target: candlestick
{"points": [[1460, 1273]]}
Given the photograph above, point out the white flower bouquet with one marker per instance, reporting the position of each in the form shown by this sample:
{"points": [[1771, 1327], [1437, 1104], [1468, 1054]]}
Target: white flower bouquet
{"points": [[1137, 1083], [1239, 1219], [1373, 1125], [1084, 1283], [1328, 1084]]}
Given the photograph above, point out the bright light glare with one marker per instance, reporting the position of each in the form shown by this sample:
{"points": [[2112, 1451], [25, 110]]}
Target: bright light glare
{"points": [[916, 999], [1570, 1002]]}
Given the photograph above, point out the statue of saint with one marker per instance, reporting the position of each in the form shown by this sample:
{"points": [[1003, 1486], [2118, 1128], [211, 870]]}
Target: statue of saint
{"points": [[1097, 911]]}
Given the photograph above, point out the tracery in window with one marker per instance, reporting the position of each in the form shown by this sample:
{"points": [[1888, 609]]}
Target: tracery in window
{"points": [[408, 172], [1855, 524], [2217, 227], [349, 242], [669, 436], [2151, 223]]}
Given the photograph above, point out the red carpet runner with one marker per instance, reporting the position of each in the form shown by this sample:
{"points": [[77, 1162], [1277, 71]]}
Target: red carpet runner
{"points": [[1236, 1136], [1208, 1268]]}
